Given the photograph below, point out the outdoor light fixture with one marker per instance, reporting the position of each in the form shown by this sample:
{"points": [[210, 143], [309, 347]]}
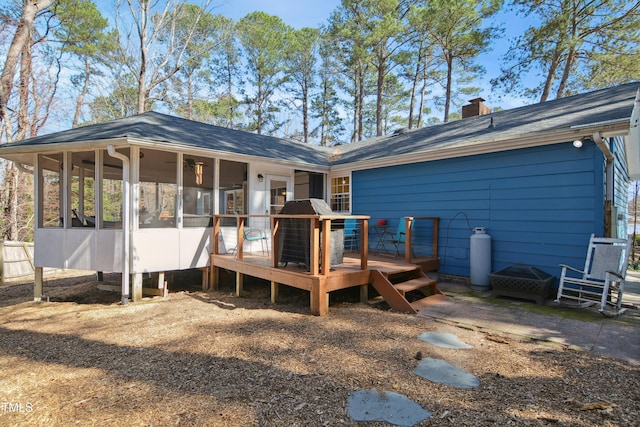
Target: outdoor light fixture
{"points": [[197, 167], [577, 143], [260, 177]]}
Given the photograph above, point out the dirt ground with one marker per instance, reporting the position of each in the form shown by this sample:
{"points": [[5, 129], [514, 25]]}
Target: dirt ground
{"points": [[212, 359]]}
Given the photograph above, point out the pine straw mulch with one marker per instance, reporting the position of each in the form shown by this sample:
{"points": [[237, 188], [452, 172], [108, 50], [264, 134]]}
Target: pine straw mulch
{"points": [[212, 359]]}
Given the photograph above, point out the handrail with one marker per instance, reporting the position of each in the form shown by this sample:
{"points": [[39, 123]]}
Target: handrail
{"points": [[410, 223], [319, 237]]}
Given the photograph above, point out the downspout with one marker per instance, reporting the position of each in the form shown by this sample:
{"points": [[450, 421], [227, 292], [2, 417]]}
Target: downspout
{"points": [[608, 197], [125, 222], [23, 168]]}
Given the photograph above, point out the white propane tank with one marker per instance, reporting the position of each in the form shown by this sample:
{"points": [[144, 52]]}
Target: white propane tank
{"points": [[480, 248]]}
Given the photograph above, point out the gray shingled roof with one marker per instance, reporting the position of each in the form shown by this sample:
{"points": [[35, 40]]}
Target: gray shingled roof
{"points": [[157, 127], [598, 106]]}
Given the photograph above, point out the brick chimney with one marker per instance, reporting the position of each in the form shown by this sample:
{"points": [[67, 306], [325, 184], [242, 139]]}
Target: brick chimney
{"points": [[475, 108]]}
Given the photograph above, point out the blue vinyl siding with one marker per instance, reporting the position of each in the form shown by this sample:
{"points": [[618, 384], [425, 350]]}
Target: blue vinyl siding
{"points": [[539, 205]]}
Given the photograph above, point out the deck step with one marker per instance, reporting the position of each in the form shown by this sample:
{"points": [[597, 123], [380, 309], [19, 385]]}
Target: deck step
{"points": [[428, 301], [413, 284], [394, 286]]}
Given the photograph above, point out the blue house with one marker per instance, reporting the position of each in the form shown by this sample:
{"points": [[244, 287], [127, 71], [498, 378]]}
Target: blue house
{"points": [[539, 178], [137, 195]]}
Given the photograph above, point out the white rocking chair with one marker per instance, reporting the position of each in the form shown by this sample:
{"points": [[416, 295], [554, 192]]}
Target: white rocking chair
{"points": [[602, 279]]}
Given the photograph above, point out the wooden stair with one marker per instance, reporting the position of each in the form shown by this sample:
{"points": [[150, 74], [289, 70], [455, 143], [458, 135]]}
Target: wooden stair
{"points": [[398, 288]]}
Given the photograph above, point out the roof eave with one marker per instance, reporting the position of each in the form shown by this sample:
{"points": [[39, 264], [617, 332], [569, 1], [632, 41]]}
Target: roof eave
{"points": [[491, 145], [20, 153]]}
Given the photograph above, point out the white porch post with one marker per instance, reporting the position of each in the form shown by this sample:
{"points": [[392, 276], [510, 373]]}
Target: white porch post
{"points": [[126, 225]]}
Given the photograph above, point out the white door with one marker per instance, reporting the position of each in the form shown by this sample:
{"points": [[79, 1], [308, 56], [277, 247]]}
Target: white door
{"points": [[279, 192]]}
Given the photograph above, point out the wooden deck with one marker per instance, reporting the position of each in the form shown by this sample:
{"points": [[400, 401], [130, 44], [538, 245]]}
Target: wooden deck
{"points": [[318, 278], [343, 276]]}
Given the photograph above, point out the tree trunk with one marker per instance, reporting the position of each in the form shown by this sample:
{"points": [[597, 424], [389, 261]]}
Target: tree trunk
{"points": [[10, 231], [230, 94], [23, 91], [22, 36], [83, 93], [305, 112], [414, 86], [380, 91], [423, 93], [568, 65], [447, 100], [361, 78], [549, 80]]}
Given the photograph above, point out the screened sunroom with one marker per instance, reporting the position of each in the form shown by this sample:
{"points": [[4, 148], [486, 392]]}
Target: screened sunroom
{"points": [[137, 195]]}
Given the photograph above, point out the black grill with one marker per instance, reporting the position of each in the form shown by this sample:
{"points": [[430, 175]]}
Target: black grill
{"points": [[295, 233]]}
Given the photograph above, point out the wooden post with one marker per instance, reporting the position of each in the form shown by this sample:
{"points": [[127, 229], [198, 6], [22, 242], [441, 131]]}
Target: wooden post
{"points": [[239, 284], [275, 242], [364, 244], [240, 238], [314, 246], [205, 278], [136, 288], [37, 284], [326, 246], [275, 292], [216, 235], [364, 293], [214, 277], [319, 299], [408, 256]]}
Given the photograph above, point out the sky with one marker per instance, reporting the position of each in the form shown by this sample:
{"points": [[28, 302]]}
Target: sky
{"points": [[296, 13]]}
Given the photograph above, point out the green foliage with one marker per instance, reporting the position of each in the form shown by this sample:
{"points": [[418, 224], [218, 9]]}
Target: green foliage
{"points": [[376, 66], [263, 38], [574, 46], [83, 29], [455, 29], [217, 112], [121, 102]]}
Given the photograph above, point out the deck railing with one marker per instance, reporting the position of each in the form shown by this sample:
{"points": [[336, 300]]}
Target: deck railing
{"points": [[301, 238], [308, 237]]}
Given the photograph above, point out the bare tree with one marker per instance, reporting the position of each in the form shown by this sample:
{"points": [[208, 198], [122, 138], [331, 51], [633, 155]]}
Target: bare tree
{"points": [[156, 47], [21, 38]]}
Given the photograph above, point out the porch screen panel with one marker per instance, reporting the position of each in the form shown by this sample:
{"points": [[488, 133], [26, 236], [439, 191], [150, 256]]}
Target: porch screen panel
{"points": [[112, 190], [158, 189], [197, 194], [51, 191], [83, 189]]}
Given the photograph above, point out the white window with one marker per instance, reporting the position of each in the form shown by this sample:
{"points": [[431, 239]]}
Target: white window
{"points": [[341, 194]]}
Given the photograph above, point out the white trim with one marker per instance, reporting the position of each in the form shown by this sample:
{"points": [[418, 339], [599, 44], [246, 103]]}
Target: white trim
{"points": [[349, 193], [485, 146], [632, 141]]}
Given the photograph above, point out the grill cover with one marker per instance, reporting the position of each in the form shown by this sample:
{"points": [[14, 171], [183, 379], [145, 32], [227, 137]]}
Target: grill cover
{"points": [[295, 233]]}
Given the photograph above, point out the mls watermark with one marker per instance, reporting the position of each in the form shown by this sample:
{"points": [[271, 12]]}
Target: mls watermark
{"points": [[16, 407]]}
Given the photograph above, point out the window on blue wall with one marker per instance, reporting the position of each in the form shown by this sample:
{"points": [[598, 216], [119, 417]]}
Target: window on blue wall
{"points": [[341, 194]]}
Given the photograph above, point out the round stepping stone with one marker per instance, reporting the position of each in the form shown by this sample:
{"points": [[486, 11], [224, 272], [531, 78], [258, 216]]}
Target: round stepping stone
{"points": [[441, 372], [393, 408], [444, 340]]}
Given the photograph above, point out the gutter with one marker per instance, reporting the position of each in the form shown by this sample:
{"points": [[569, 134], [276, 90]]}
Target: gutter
{"points": [[486, 145], [597, 138], [126, 226]]}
